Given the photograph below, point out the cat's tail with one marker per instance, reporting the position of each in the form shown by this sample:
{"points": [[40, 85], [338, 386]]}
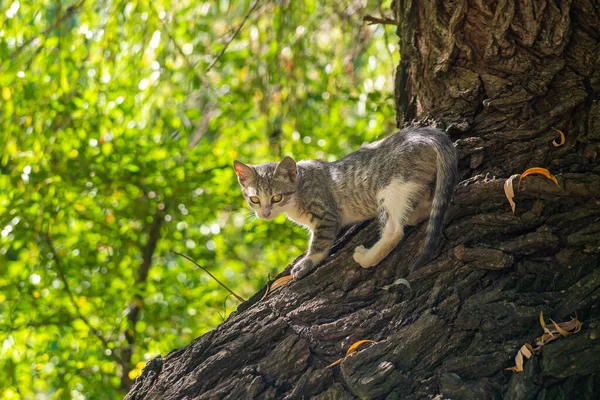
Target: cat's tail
{"points": [[445, 180]]}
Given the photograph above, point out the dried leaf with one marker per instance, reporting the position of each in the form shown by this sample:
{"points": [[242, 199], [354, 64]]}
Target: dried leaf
{"points": [[518, 362], [277, 284], [564, 328], [399, 281], [281, 282], [351, 350], [560, 330], [336, 362], [540, 171], [527, 350], [562, 139], [509, 192], [542, 322]]}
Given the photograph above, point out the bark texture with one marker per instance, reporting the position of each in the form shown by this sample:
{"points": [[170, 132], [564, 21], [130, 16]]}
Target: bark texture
{"points": [[498, 76]]}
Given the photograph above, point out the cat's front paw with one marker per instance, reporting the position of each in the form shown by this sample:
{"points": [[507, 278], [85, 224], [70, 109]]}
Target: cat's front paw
{"points": [[361, 256], [303, 267]]}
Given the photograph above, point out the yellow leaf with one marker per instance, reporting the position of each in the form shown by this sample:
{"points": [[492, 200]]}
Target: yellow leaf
{"points": [[509, 192], [36, 294], [560, 330], [134, 373], [280, 282], [542, 322], [353, 348], [526, 350], [540, 171], [140, 365], [562, 139], [73, 153], [6, 93], [518, 363], [336, 362], [79, 207], [277, 284]]}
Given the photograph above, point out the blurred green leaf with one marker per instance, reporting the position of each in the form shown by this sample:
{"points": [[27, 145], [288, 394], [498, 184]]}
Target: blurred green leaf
{"points": [[109, 124]]}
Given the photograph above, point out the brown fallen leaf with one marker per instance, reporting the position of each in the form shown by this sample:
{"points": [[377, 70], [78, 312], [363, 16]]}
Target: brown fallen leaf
{"points": [[351, 350], [550, 333], [562, 139], [277, 284], [542, 322], [525, 351], [540, 171], [509, 192]]}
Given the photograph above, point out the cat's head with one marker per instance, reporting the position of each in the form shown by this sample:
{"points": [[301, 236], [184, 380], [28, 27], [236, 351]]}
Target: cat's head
{"points": [[269, 188]]}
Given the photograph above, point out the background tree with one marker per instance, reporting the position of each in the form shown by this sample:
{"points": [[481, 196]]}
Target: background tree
{"points": [[119, 121], [501, 77]]}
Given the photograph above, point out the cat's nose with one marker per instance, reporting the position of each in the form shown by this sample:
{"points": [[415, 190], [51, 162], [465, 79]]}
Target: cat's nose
{"points": [[266, 213]]}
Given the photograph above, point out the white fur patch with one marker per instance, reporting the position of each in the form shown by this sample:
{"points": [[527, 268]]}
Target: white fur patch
{"points": [[301, 218], [349, 218], [396, 198]]}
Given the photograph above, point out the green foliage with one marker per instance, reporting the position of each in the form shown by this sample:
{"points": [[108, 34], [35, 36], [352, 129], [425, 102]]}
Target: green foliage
{"points": [[117, 146]]}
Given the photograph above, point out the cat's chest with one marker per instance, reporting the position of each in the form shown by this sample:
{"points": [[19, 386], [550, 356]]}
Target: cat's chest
{"points": [[305, 219]]}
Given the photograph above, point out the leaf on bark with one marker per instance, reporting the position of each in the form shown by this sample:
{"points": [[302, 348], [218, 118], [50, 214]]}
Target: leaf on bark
{"points": [[399, 281], [551, 332], [539, 171], [562, 139], [352, 349], [277, 284], [525, 351], [509, 192]]}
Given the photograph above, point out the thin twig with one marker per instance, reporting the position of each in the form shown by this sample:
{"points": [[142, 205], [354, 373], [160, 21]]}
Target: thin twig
{"points": [[177, 46], [370, 20], [137, 302], [235, 33], [241, 299], [68, 12], [63, 278]]}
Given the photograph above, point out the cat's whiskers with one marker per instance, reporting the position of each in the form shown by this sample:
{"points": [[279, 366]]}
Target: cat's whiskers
{"points": [[250, 215]]}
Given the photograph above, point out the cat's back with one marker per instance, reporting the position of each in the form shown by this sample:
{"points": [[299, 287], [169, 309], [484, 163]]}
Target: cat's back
{"points": [[396, 150]]}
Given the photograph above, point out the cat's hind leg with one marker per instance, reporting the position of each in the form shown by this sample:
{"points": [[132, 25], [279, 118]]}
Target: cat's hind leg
{"points": [[395, 205]]}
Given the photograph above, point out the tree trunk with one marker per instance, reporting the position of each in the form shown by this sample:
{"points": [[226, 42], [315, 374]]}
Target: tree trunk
{"points": [[499, 76]]}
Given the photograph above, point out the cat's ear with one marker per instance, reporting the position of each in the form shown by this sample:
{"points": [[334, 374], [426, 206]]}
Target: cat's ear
{"points": [[286, 169], [244, 172]]}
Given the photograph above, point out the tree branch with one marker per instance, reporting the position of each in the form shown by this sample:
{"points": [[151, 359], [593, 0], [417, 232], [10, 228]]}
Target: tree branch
{"points": [[137, 303], [241, 299], [68, 12], [63, 278], [370, 20], [239, 28], [177, 46]]}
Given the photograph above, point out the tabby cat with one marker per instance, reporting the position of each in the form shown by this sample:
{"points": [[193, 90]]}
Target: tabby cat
{"points": [[402, 180]]}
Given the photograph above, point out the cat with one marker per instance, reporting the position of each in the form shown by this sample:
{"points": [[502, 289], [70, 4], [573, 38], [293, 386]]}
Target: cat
{"points": [[401, 179]]}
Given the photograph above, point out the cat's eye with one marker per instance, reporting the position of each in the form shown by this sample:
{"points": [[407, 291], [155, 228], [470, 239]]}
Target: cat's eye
{"points": [[276, 198], [254, 199]]}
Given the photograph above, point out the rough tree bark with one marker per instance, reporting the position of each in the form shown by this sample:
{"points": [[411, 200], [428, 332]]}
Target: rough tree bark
{"points": [[498, 76]]}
